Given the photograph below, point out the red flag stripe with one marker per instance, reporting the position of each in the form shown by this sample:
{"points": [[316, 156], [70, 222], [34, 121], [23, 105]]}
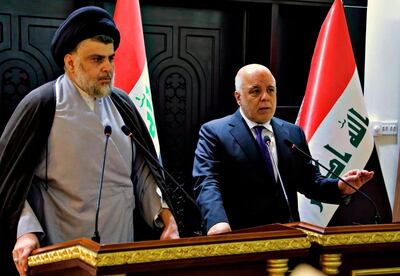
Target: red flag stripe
{"points": [[332, 67], [130, 58]]}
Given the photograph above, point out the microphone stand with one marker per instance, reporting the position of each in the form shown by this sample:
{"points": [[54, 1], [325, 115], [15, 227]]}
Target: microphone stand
{"points": [[96, 236], [267, 141], [377, 217]]}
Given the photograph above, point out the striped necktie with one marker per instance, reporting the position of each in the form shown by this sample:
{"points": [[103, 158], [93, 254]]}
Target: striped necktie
{"points": [[264, 151]]}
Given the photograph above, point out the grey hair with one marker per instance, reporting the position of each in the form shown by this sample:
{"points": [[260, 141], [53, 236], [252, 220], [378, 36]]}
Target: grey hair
{"points": [[238, 83]]}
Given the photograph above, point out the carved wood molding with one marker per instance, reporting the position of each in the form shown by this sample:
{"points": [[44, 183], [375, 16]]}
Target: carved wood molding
{"points": [[166, 254]]}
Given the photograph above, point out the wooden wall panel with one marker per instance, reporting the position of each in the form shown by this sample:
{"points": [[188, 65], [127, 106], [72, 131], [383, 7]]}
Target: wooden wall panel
{"points": [[186, 64], [25, 60], [26, 30]]}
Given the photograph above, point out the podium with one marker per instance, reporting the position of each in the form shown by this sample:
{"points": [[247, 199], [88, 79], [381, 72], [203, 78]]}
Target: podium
{"points": [[259, 252], [356, 249], [266, 250]]}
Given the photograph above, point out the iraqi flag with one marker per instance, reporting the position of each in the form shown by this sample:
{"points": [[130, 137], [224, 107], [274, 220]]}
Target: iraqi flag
{"points": [[335, 120], [131, 74]]}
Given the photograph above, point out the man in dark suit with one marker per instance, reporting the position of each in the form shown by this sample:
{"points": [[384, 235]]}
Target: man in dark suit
{"points": [[237, 185]]}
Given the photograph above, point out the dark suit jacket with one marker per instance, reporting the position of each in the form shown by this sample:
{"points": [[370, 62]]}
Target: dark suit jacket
{"points": [[232, 184]]}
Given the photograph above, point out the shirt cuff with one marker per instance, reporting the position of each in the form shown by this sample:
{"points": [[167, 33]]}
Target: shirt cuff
{"points": [[158, 223], [346, 199]]}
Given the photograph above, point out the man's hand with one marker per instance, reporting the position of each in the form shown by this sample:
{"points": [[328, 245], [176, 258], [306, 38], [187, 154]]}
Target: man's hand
{"points": [[221, 227], [357, 178], [170, 228], [22, 249]]}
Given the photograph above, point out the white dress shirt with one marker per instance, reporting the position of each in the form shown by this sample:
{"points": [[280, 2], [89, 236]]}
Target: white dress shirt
{"points": [[267, 131]]}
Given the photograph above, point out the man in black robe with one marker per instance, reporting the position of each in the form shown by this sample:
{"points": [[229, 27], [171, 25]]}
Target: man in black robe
{"points": [[26, 136]]}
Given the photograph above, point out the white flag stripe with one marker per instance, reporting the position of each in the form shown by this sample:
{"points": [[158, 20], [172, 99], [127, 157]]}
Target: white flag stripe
{"points": [[144, 103], [330, 132], [334, 131], [313, 214]]}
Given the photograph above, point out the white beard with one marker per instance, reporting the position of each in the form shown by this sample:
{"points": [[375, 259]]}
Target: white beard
{"points": [[90, 87]]}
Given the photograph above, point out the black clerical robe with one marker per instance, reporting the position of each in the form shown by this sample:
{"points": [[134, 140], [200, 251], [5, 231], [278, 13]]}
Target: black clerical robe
{"points": [[24, 140]]}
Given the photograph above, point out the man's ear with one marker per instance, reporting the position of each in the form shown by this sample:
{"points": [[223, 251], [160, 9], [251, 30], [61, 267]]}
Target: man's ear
{"points": [[69, 63], [237, 97]]}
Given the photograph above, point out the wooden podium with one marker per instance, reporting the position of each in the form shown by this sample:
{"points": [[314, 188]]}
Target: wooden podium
{"points": [[267, 250], [355, 250], [260, 252]]}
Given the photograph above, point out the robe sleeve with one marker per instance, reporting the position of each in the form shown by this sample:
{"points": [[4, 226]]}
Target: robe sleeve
{"points": [[147, 198], [28, 222], [21, 143]]}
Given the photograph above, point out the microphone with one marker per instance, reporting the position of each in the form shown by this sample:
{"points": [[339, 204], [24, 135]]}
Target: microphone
{"points": [[96, 235], [377, 218], [267, 141], [129, 133]]}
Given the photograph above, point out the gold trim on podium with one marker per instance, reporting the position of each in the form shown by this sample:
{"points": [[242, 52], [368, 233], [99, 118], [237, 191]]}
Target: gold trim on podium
{"points": [[170, 253], [353, 238], [68, 253], [376, 271]]}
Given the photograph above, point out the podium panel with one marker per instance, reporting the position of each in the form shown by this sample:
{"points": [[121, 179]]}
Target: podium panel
{"points": [[356, 249], [267, 250], [252, 253]]}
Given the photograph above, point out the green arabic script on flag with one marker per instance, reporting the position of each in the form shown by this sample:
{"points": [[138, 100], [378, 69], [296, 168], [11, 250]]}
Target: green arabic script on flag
{"points": [[357, 128], [144, 102]]}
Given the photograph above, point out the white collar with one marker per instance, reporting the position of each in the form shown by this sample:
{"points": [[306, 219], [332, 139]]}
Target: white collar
{"points": [[89, 100], [252, 124]]}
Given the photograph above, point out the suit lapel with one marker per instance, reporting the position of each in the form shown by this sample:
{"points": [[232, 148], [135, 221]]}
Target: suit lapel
{"points": [[284, 153], [243, 136]]}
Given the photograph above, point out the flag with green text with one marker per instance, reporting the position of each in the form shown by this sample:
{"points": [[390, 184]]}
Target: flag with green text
{"points": [[131, 74], [334, 118]]}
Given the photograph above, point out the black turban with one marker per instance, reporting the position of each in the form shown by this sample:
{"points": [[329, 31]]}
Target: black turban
{"points": [[82, 24]]}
